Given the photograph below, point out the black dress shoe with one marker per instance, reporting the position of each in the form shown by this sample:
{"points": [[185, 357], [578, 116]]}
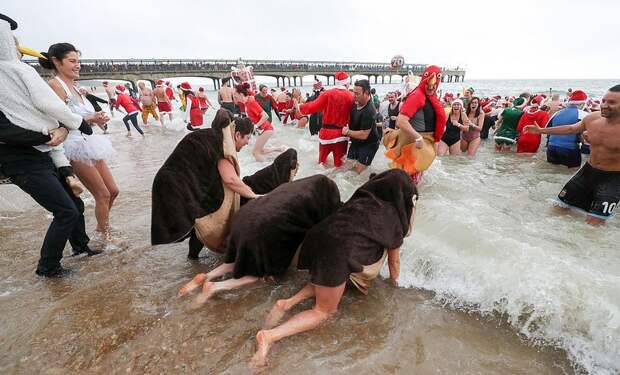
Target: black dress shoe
{"points": [[88, 251], [57, 272]]}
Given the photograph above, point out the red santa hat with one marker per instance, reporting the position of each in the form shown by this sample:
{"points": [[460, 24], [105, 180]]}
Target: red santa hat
{"points": [[159, 82], [186, 86], [119, 89], [578, 97], [105, 83], [537, 100], [342, 78], [317, 85], [448, 95], [167, 83]]}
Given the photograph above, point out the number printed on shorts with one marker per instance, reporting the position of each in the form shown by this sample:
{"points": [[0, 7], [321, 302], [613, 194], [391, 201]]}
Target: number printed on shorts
{"points": [[608, 208]]}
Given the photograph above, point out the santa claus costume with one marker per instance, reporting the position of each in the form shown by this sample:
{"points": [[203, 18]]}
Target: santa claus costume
{"points": [[163, 107], [427, 117], [336, 106], [131, 107], [533, 115], [193, 114]]}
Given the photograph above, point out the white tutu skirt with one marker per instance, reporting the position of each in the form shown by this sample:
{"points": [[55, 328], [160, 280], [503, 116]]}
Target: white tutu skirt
{"points": [[88, 149]]}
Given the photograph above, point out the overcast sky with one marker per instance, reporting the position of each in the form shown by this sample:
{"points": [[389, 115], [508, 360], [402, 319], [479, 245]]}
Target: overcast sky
{"points": [[491, 39]]}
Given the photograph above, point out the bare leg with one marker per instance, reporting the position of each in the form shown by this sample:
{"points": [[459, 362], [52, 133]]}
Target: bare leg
{"points": [[464, 145], [359, 168], [108, 180], [327, 300], [209, 288], [259, 146], [442, 148], [90, 177], [455, 149], [283, 305], [197, 281], [472, 148], [302, 122], [594, 221]]}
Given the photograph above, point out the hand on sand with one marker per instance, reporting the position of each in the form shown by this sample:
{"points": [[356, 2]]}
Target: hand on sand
{"points": [[195, 283], [532, 129], [58, 136]]}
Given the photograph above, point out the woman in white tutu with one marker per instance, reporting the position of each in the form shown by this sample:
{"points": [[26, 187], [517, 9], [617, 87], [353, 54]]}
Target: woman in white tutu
{"points": [[87, 153]]}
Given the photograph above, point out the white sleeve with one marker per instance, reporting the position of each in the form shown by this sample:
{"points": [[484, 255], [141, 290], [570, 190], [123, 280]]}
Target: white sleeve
{"points": [[59, 159], [46, 100]]}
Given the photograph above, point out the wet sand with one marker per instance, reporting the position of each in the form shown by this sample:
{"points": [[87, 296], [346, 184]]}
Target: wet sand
{"points": [[118, 313]]}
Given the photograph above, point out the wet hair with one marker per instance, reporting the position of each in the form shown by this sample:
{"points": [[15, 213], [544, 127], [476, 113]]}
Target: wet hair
{"points": [[616, 88], [373, 91], [468, 110], [222, 119], [59, 51], [364, 84], [244, 126], [243, 88]]}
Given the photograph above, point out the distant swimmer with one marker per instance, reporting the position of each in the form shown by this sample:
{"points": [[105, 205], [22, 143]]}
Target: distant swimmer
{"points": [[595, 188], [147, 100], [164, 103], [225, 96]]}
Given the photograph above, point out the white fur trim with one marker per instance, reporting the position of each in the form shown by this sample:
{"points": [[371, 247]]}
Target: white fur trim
{"points": [[334, 140]]}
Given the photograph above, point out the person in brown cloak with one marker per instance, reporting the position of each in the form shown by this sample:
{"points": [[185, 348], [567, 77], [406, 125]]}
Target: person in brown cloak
{"points": [[351, 245], [197, 189], [266, 233]]}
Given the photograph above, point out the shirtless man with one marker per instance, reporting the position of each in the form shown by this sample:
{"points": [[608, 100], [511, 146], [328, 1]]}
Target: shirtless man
{"points": [[595, 188], [204, 101], [164, 105], [225, 96], [111, 96], [147, 99]]}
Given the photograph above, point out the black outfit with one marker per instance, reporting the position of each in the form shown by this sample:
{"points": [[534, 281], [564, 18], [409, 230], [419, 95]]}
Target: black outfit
{"points": [[266, 232], [489, 121], [593, 190], [564, 156], [133, 118], [95, 100], [375, 219], [393, 112], [363, 150], [316, 119], [34, 173], [452, 134], [272, 176]]}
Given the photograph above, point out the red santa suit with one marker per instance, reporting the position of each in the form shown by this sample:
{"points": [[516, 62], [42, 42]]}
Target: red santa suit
{"points": [[255, 113], [127, 102], [529, 143], [336, 106], [194, 115], [169, 92]]}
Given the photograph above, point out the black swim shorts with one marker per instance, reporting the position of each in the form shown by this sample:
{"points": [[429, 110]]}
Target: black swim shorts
{"points": [[592, 190], [363, 153], [564, 156]]}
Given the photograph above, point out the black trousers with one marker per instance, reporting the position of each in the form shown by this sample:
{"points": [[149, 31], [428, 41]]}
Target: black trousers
{"points": [[52, 193], [133, 118]]}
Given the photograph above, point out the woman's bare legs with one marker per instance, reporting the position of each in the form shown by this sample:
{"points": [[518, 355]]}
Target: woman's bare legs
{"points": [[94, 182], [283, 305], [199, 279], [442, 148], [108, 180], [209, 288], [455, 149], [326, 305], [472, 148]]}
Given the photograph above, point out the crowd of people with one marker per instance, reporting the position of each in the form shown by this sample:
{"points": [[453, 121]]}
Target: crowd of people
{"points": [[49, 150]]}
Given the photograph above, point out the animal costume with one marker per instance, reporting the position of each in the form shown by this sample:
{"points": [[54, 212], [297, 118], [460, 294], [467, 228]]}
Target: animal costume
{"points": [[427, 117]]}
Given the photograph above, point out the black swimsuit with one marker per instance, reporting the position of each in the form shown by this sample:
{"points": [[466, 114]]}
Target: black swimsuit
{"points": [[452, 133]]}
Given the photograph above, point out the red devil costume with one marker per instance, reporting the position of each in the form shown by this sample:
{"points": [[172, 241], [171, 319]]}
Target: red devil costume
{"points": [[427, 117], [336, 106]]}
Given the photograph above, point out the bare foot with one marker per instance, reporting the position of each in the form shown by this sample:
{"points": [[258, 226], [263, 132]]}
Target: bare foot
{"points": [[195, 283], [207, 292], [276, 314], [259, 360]]}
